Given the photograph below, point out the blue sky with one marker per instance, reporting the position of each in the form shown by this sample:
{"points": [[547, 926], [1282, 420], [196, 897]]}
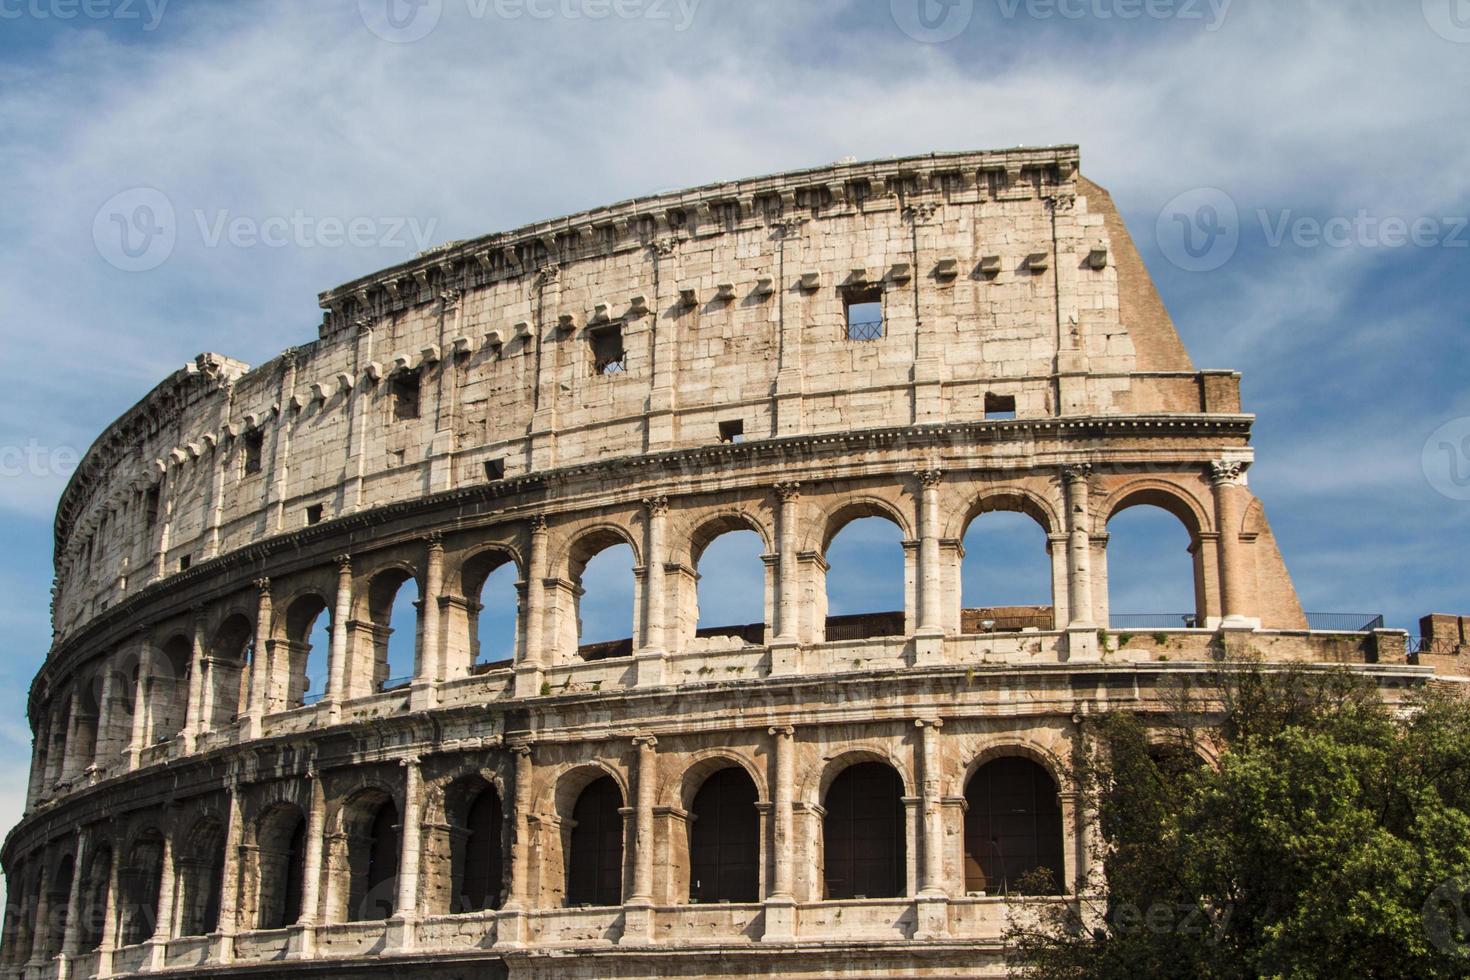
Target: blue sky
{"points": [[1319, 124]]}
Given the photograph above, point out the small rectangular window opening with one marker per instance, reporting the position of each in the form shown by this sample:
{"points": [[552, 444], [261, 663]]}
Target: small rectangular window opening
{"points": [[1000, 407], [732, 430], [314, 514], [607, 350], [863, 308], [184, 563], [494, 469], [404, 389], [151, 505], [254, 450]]}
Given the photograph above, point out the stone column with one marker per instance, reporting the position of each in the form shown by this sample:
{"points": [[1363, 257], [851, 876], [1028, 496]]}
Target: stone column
{"points": [[341, 627], [229, 894], [260, 660], [110, 923], [138, 739], [168, 896], [781, 902], [429, 668], [639, 917], [1056, 550], [193, 713], [1229, 480], [105, 744], [929, 638], [785, 649], [70, 936], [529, 672], [1082, 631], [311, 878], [650, 659], [405, 908], [510, 930], [39, 930], [933, 897]]}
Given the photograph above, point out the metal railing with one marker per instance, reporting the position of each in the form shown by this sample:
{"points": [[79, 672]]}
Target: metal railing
{"points": [[393, 683], [1345, 622], [1153, 621], [612, 364], [865, 329]]}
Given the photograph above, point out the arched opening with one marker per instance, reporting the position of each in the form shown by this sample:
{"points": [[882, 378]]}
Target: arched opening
{"points": [[168, 688], [1013, 829], [1154, 575], [93, 912], [865, 579], [201, 868], [281, 839], [373, 845], [60, 729], [491, 586], [477, 867], [140, 882], [231, 654], [595, 855], [308, 650], [114, 738], [730, 587], [1006, 574], [393, 604], [86, 708], [58, 897], [724, 839], [864, 849], [602, 586]]}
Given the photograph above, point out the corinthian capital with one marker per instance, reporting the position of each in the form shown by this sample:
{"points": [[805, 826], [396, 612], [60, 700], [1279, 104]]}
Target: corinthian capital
{"points": [[1227, 472]]}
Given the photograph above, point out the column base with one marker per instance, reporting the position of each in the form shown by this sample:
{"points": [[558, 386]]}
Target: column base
{"points": [[932, 919], [510, 928], [400, 933], [423, 696], [222, 948], [1082, 644], [785, 658], [63, 967], [780, 920], [529, 680], [648, 668], [637, 925], [929, 648], [301, 942], [157, 954]]}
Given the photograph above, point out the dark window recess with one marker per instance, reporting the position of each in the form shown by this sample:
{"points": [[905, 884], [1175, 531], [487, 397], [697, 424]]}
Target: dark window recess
{"points": [[1013, 829], [863, 834], [724, 840], [732, 431], [1000, 406], [494, 469], [595, 871], [254, 450], [151, 505], [314, 514], [404, 387], [607, 350], [184, 563], [863, 308]]}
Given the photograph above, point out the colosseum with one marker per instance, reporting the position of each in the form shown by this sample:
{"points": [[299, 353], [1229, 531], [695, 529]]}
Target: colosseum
{"points": [[924, 340]]}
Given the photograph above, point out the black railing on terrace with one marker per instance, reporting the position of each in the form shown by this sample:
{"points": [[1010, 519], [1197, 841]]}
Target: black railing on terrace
{"points": [[1345, 622], [864, 626], [1153, 621], [865, 329]]}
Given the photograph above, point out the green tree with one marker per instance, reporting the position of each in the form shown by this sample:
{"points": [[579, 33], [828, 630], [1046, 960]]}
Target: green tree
{"points": [[1328, 835]]}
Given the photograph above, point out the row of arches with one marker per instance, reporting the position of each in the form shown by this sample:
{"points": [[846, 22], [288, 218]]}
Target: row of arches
{"points": [[595, 598]]}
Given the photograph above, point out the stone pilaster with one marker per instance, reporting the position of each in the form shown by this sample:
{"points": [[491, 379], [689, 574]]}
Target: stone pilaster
{"points": [[781, 902]]}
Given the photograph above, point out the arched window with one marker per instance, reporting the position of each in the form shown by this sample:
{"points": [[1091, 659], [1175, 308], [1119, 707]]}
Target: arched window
{"points": [[730, 593], [58, 897], [140, 882], [490, 584], [281, 838], [393, 599], [309, 646], [201, 868], [231, 653], [477, 865], [1013, 828], [864, 846], [724, 839], [60, 729], [372, 858], [865, 594], [603, 585], [1155, 579], [595, 857], [93, 912], [1006, 582], [168, 688]]}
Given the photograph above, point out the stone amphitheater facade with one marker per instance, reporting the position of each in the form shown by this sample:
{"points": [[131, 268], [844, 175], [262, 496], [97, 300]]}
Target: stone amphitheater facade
{"points": [[805, 797]]}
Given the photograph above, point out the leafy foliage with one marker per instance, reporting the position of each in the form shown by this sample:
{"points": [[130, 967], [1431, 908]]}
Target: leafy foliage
{"points": [[1328, 837]]}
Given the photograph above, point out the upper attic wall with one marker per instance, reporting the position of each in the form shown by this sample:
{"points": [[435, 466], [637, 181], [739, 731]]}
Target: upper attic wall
{"points": [[1004, 279]]}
